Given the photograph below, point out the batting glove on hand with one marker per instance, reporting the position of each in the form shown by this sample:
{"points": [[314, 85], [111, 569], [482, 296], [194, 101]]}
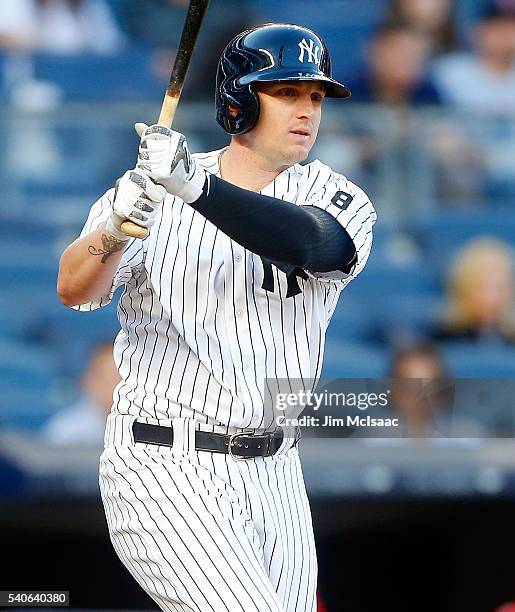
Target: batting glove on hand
{"points": [[136, 198], [164, 156]]}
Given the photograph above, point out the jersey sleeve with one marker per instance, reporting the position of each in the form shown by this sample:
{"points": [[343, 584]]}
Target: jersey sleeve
{"points": [[352, 208], [132, 259]]}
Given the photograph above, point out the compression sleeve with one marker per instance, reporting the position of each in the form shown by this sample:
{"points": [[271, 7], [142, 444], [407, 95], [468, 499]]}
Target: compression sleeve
{"points": [[303, 236]]}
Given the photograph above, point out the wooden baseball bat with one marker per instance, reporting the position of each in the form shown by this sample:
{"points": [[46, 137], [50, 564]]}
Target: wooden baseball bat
{"points": [[196, 12]]}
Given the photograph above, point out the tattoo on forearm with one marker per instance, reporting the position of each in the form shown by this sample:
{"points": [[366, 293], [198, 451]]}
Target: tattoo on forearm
{"points": [[110, 245]]}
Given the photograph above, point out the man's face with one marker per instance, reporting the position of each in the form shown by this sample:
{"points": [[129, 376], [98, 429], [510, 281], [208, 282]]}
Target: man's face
{"points": [[288, 122], [496, 38], [399, 57]]}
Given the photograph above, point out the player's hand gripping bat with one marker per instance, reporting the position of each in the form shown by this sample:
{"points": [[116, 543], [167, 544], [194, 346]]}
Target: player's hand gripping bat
{"points": [[196, 12]]}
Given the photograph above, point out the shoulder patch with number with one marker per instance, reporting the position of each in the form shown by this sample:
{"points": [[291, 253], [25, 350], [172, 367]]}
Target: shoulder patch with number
{"points": [[342, 199]]}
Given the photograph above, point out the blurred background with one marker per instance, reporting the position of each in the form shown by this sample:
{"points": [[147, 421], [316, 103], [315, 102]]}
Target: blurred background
{"points": [[425, 523]]}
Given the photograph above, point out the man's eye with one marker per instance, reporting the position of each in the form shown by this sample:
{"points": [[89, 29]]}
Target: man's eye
{"points": [[287, 92]]}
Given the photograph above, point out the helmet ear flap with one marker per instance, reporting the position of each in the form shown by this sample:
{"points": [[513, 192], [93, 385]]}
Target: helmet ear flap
{"points": [[232, 113], [247, 111]]}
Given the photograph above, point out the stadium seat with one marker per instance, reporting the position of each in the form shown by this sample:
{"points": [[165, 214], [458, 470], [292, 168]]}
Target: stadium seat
{"points": [[27, 375], [350, 322], [353, 360], [441, 235], [27, 409], [126, 76], [472, 360], [71, 334], [405, 318], [382, 279]]}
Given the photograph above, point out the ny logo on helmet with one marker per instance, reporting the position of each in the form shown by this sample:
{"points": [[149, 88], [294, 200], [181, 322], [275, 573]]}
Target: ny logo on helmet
{"points": [[311, 49]]}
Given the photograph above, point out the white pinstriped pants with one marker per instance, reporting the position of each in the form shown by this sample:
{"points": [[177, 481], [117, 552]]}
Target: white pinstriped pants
{"points": [[202, 532]]}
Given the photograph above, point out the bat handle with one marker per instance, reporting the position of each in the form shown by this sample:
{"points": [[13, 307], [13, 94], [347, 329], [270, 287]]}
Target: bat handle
{"points": [[133, 229], [168, 109]]}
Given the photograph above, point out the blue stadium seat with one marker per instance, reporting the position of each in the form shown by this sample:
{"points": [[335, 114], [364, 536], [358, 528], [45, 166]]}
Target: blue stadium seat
{"points": [[442, 234], [380, 279], [28, 358], [22, 408], [353, 360], [29, 279], [27, 374], [472, 360], [65, 214], [71, 334], [87, 161], [389, 301], [33, 233], [405, 318], [81, 180], [342, 13], [350, 322], [127, 76]]}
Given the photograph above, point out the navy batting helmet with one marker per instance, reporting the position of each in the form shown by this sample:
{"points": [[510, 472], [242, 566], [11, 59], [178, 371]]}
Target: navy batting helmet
{"points": [[271, 52]]}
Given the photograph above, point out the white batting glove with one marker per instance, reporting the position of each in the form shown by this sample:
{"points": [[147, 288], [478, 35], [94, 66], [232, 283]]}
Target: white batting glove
{"points": [[136, 198], [164, 156]]}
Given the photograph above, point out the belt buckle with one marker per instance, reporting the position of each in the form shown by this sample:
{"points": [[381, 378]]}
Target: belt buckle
{"points": [[232, 439]]}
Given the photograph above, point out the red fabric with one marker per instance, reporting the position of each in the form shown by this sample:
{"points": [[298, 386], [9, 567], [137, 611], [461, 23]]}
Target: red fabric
{"points": [[321, 606], [508, 607]]}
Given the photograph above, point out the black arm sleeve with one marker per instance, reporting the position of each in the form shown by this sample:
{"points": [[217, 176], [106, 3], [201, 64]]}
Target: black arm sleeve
{"points": [[303, 236]]}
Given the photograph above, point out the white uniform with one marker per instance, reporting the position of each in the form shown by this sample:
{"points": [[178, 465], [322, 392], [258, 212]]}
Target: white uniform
{"points": [[204, 323]]}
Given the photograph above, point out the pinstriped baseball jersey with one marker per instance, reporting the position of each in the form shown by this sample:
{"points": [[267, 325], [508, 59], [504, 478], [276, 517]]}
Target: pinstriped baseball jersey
{"points": [[204, 321]]}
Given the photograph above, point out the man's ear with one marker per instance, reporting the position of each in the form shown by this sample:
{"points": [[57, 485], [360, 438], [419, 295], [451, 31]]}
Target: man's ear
{"points": [[233, 110]]}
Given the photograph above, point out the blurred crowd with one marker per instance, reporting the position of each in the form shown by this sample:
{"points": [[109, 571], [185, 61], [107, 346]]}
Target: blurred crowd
{"points": [[439, 74], [454, 54], [419, 56], [410, 52]]}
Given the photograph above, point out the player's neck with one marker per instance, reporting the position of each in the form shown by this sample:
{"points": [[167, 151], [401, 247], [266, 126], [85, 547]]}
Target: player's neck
{"points": [[245, 168]]}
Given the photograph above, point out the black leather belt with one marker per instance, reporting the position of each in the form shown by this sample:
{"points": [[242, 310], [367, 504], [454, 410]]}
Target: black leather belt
{"points": [[242, 445]]}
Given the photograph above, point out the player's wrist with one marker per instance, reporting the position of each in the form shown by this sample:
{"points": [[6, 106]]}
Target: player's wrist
{"points": [[113, 225]]}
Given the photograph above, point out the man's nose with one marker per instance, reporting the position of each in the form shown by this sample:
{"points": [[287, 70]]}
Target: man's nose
{"points": [[305, 106]]}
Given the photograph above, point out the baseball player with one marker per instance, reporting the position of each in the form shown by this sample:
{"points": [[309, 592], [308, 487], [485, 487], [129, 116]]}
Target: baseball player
{"points": [[247, 253]]}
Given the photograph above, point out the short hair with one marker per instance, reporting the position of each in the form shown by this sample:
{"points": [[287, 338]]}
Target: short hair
{"points": [[423, 348]]}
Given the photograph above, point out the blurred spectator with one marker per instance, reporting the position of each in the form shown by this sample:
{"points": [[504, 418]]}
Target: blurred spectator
{"points": [[483, 79], [473, 156], [421, 361], [159, 23], [459, 161], [398, 58], [62, 27], [432, 18], [419, 394], [423, 396], [84, 422], [480, 294]]}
